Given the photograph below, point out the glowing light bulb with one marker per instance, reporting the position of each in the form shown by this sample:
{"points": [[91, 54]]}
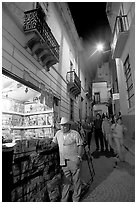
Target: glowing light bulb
{"points": [[100, 47]]}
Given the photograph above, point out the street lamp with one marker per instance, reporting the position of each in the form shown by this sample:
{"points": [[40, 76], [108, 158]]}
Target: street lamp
{"points": [[99, 48]]}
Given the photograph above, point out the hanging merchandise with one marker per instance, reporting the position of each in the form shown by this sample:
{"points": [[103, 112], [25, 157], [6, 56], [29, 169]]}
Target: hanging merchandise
{"points": [[42, 97], [27, 151], [46, 97], [50, 100], [24, 114]]}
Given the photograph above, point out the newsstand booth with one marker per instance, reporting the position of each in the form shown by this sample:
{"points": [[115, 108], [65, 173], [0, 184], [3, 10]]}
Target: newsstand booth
{"points": [[30, 161]]}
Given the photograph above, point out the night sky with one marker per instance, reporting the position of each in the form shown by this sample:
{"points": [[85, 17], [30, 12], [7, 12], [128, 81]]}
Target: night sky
{"points": [[92, 26], [90, 20]]}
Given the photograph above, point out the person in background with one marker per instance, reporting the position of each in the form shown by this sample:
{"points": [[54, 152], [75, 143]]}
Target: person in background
{"points": [[89, 134], [114, 121], [110, 120], [118, 130], [103, 115], [106, 129], [98, 133], [70, 149], [119, 114]]}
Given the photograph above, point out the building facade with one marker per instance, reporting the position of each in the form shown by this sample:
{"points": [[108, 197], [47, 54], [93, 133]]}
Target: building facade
{"points": [[102, 86], [42, 80], [121, 17], [41, 48], [100, 93]]}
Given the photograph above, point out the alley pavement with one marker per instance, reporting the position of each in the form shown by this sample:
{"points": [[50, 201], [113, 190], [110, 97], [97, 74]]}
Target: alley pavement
{"points": [[109, 184]]}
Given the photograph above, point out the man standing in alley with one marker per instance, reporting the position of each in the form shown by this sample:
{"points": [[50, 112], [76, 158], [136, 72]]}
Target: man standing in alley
{"points": [[98, 133], [118, 131], [70, 149], [107, 136]]}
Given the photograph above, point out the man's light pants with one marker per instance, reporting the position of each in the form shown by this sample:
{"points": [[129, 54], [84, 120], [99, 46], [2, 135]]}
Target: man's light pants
{"points": [[71, 177]]}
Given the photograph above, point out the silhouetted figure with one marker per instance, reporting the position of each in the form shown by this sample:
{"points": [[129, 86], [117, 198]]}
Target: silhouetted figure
{"points": [[89, 134], [98, 133], [103, 115], [119, 115]]}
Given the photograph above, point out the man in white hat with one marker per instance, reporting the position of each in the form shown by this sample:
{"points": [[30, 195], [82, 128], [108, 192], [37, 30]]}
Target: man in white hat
{"points": [[70, 149]]}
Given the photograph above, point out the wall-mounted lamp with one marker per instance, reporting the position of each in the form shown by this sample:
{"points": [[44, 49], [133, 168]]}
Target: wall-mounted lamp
{"points": [[99, 48]]}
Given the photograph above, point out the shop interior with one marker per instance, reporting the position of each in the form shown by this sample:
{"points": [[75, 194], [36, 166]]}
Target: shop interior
{"points": [[24, 113], [29, 157]]}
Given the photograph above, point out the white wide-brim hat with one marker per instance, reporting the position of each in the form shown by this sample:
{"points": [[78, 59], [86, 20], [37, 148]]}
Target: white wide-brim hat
{"points": [[64, 121]]}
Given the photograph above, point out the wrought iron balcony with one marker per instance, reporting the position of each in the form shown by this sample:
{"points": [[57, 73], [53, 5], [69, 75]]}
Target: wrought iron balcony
{"points": [[120, 35], [74, 83], [40, 38]]}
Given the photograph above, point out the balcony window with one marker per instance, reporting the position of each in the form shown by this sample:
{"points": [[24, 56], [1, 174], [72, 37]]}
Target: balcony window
{"points": [[73, 83], [121, 24], [97, 97], [120, 35], [130, 88]]}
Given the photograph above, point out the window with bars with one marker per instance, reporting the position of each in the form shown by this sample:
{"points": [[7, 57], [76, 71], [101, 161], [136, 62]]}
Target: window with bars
{"points": [[130, 88], [97, 97]]}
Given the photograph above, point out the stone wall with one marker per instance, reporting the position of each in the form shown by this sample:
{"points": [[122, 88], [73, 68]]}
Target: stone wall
{"points": [[35, 174]]}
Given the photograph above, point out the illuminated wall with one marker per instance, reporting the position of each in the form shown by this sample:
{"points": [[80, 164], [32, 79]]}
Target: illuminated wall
{"points": [[128, 113], [16, 58]]}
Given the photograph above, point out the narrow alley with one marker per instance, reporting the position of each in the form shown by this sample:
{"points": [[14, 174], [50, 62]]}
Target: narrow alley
{"points": [[110, 184], [68, 71]]}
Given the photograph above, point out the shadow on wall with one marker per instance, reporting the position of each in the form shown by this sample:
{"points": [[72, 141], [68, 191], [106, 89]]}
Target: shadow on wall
{"points": [[133, 135], [129, 122]]}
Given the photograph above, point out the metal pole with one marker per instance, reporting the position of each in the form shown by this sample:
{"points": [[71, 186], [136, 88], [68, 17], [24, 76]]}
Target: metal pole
{"points": [[86, 151], [93, 53]]}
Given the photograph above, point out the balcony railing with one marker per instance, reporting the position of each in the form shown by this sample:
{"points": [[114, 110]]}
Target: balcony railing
{"points": [[74, 83], [120, 35], [43, 42]]}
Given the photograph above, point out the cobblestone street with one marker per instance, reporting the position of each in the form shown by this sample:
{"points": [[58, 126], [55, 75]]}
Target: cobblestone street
{"points": [[110, 184]]}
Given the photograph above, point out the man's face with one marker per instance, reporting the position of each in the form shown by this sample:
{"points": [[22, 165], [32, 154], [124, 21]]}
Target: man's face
{"points": [[119, 121], [65, 128]]}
